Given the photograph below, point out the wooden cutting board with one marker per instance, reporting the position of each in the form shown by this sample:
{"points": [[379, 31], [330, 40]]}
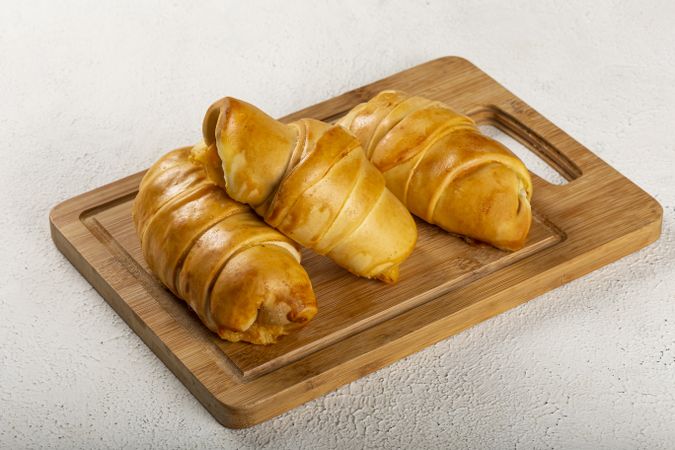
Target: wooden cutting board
{"points": [[446, 285]]}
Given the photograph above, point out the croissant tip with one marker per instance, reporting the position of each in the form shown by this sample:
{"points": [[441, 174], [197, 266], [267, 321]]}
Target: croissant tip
{"points": [[213, 115], [303, 316], [389, 276]]}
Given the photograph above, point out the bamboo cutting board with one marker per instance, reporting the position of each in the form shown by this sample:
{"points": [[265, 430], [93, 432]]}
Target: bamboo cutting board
{"points": [[446, 285]]}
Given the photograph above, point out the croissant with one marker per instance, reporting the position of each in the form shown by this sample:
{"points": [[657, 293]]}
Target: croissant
{"points": [[242, 278], [443, 169], [312, 181]]}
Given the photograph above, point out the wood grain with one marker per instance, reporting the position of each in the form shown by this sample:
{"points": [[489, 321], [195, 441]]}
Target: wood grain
{"points": [[348, 304], [446, 285]]}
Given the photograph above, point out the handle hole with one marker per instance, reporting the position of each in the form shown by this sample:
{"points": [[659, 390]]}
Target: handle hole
{"points": [[540, 157], [532, 161]]}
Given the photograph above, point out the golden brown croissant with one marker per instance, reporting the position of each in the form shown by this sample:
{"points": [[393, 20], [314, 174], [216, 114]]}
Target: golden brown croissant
{"points": [[241, 277], [312, 181], [443, 169]]}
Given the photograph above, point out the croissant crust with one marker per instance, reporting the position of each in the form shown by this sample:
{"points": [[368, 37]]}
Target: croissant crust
{"points": [[312, 181], [242, 278], [439, 164]]}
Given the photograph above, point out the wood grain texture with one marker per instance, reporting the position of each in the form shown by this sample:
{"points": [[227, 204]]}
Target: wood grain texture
{"points": [[446, 285]]}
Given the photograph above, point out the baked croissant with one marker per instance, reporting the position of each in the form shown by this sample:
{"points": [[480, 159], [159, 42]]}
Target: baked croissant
{"points": [[312, 181], [242, 278], [443, 169]]}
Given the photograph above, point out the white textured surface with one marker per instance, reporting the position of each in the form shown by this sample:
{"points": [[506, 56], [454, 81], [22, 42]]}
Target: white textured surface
{"points": [[91, 92]]}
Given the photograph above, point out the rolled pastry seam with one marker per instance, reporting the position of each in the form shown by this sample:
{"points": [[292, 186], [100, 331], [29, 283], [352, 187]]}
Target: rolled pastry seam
{"points": [[194, 237], [308, 180]]}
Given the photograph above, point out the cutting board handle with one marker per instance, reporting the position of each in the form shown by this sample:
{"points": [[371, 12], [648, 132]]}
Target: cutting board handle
{"points": [[522, 123]]}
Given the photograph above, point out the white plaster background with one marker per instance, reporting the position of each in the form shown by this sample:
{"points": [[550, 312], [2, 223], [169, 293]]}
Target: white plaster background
{"points": [[93, 91]]}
